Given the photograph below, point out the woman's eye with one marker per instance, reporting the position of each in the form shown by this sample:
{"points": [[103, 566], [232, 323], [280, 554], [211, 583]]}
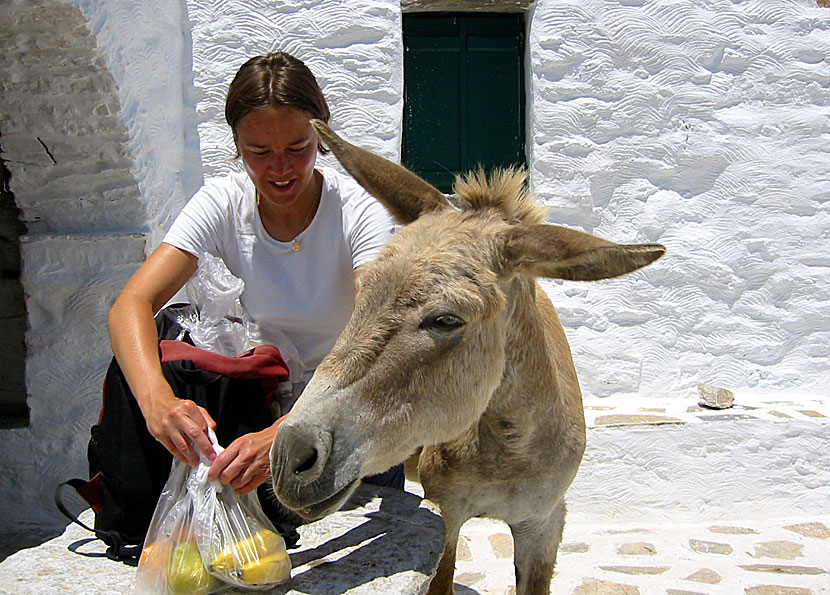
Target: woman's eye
{"points": [[443, 322]]}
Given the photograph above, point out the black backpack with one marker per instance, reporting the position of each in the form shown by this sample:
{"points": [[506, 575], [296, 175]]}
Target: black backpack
{"points": [[128, 467]]}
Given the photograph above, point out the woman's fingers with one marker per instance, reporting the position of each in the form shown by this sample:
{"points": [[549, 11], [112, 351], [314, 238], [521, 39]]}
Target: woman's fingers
{"points": [[181, 426], [244, 464], [196, 434]]}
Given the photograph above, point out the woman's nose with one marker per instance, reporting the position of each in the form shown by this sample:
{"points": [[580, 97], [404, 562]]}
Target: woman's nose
{"points": [[279, 165]]}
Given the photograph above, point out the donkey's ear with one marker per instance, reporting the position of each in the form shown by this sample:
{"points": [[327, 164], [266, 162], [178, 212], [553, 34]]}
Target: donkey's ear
{"points": [[562, 253], [402, 192]]}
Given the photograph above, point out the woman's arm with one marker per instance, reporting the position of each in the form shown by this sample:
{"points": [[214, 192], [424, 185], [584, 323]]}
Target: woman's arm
{"points": [[172, 421]]}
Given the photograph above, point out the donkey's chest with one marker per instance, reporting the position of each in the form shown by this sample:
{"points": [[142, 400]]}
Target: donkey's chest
{"points": [[502, 448]]}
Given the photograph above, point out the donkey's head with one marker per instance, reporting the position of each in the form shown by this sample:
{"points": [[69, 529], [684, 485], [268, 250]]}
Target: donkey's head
{"points": [[424, 349]]}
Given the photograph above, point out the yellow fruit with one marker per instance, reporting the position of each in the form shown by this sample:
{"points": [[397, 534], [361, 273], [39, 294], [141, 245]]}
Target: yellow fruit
{"points": [[270, 569], [260, 545], [186, 574]]}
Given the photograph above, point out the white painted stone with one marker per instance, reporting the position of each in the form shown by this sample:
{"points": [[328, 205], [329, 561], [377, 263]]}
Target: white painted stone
{"points": [[703, 127], [354, 50], [700, 126], [706, 470], [382, 541]]}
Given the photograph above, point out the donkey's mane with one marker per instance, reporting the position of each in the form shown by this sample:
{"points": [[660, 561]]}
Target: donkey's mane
{"points": [[505, 191]]}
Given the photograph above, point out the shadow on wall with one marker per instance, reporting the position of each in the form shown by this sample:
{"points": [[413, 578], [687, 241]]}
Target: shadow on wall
{"points": [[14, 412], [70, 187]]}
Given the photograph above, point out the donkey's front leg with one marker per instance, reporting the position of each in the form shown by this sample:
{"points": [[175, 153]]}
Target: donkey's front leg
{"points": [[442, 582], [535, 545]]}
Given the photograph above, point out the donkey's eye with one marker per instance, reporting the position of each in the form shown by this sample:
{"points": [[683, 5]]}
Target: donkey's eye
{"points": [[442, 322]]}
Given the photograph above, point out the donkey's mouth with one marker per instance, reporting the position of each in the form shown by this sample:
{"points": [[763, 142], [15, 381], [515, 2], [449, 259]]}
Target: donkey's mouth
{"points": [[329, 505]]}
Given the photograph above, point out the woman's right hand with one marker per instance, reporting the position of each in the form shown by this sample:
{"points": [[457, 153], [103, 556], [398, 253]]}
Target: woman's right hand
{"points": [[180, 425]]}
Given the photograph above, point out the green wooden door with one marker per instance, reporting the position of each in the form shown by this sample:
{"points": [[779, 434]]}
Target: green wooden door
{"points": [[464, 86]]}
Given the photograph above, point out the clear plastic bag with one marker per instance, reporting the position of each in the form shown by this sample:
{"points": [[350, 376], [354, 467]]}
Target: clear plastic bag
{"points": [[204, 538], [223, 325]]}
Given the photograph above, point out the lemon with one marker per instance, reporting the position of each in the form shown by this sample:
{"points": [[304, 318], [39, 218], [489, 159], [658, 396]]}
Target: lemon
{"points": [[260, 545], [267, 570]]}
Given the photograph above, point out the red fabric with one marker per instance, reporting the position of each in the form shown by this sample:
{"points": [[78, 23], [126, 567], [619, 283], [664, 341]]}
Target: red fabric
{"points": [[260, 362], [91, 492], [264, 362]]}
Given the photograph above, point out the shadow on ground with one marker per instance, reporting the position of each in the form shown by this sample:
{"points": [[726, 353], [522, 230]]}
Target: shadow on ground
{"points": [[15, 539]]}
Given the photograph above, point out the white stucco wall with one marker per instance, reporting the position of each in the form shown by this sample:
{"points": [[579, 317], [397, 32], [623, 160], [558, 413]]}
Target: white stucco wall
{"points": [[703, 126], [147, 50], [354, 50]]}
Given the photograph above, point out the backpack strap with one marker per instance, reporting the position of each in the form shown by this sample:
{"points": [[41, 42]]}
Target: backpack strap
{"points": [[116, 550], [79, 486]]}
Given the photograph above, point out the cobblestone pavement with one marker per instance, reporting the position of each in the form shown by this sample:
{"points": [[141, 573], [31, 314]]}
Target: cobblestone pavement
{"points": [[756, 557]]}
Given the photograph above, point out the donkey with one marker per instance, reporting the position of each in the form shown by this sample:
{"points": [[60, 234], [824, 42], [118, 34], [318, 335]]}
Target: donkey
{"points": [[454, 352]]}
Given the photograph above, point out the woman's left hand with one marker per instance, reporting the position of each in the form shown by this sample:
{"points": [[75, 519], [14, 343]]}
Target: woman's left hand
{"points": [[245, 463]]}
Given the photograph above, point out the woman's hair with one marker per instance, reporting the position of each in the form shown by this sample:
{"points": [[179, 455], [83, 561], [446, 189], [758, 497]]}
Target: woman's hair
{"points": [[274, 80]]}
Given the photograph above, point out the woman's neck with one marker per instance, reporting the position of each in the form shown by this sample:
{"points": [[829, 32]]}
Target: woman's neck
{"points": [[285, 223]]}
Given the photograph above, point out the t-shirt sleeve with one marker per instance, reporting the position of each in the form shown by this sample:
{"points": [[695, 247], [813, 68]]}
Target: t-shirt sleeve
{"points": [[198, 227], [371, 228]]}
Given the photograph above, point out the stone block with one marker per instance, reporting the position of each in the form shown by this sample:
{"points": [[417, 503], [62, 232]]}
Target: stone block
{"points": [[714, 397]]}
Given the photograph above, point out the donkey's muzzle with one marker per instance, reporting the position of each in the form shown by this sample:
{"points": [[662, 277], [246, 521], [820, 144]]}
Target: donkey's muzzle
{"points": [[299, 455], [303, 479]]}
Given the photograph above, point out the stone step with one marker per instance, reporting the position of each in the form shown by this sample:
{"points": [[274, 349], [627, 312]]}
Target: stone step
{"points": [[382, 541], [671, 460]]}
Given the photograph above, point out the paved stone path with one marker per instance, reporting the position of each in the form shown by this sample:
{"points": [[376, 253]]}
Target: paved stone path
{"points": [[783, 556], [382, 541], [757, 558], [780, 557], [787, 556]]}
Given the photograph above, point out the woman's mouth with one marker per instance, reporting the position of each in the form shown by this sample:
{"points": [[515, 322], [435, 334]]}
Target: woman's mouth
{"points": [[283, 185]]}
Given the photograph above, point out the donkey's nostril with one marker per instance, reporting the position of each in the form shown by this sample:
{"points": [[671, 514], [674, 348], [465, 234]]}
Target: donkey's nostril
{"points": [[308, 463], [300, 454]]}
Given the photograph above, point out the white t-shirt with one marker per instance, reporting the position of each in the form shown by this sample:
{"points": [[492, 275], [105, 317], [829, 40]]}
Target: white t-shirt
{"points": [[306, 294]]}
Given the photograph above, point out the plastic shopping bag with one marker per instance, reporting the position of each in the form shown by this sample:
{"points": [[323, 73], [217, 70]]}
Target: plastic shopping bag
{"points": [[222, 324], [205, 538]]}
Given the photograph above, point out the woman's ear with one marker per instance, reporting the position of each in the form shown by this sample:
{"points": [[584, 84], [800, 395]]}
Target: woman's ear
{"points": [[236, 145]]}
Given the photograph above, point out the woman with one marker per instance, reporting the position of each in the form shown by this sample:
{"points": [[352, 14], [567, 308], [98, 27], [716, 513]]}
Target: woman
{"points": [[295, 234]]}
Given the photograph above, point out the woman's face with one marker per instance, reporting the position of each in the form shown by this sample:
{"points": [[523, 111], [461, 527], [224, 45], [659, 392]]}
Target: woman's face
{"points": [[279, 148]]}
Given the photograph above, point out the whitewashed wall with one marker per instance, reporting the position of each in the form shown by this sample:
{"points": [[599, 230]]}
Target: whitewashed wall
{"points": [[354, 50], [703, 126]]}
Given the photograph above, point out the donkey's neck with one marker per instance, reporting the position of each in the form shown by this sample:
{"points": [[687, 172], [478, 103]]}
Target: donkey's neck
{"points": [[537, 405], [529, 364]]}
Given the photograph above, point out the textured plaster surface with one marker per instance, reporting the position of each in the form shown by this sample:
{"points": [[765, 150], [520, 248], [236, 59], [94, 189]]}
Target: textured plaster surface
{"points": [[703, 126], [666, 460]]}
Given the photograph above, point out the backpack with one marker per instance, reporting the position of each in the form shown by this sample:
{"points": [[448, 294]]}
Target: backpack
{"points": [[128, 467]]}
